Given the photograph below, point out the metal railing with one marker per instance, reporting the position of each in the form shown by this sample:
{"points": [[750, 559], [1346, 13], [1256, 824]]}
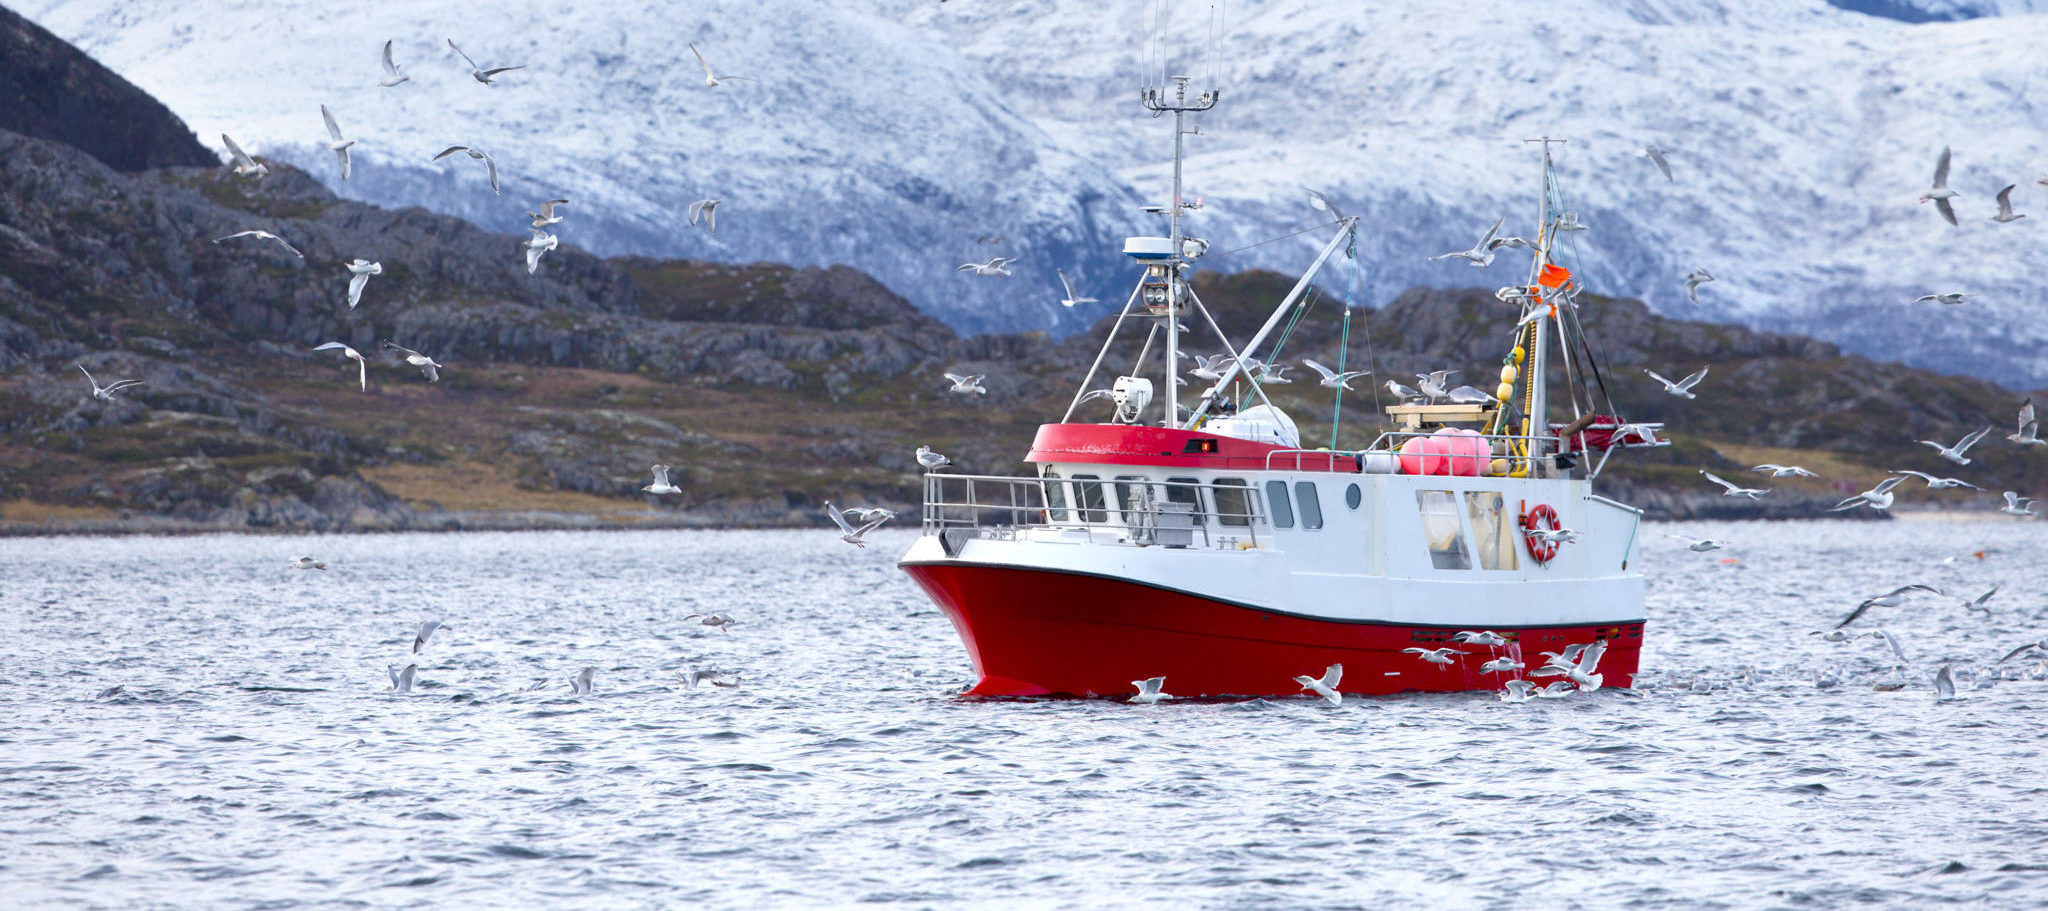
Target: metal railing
{"points": [[1336, 460], [1129, 511]]}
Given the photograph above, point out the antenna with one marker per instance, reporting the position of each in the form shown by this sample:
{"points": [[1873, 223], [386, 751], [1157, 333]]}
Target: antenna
{"points": [[1156, 101]]}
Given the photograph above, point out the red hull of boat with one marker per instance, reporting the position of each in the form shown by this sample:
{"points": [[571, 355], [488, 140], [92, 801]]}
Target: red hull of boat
{"points": [[1036, 633]]}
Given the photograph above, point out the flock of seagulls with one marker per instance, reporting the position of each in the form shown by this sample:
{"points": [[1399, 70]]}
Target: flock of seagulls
{"points": [[1578, 664]]}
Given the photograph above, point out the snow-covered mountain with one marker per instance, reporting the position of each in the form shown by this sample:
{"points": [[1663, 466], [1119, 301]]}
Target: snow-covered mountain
{"points": [[892, 136]]}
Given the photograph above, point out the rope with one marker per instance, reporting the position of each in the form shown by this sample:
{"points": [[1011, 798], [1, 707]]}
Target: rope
{"points": [[1271, 240], [1343, 348]]}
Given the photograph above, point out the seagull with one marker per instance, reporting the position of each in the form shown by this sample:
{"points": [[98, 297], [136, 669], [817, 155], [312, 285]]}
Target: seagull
{"points": [[1697, 545], [541, 243], [967, 385], [1683, 387], [1401, 392], [1890, 641], [1485, 637], [1934, 483], [1557, 690], [1432, 384], [1326, 687], [2005, 213], [715, 676], [391, 74], [106, 393], [1978, 603], [1879, 497], [263, 235], [931, 461], [707, 209], [1955, 453], [426, 364], [1570, 222], [307, 563], [2031, 646], [1555, 536], [362, 369], [401, 681], [1950, 298], [1322, 203], [716, 618], [1940, 192], [546, 216], [849, 533], [2027, 435], [994, 268], [427, 628], [1656, 157], [360, 271], [490, 163], [1892, 598], [244, 165], [1470, 395], [2016, 505], [1331, 379], [1148, 691], [1500, 666], [1834, 635], [1209, 368], [1435, 656], [860, 514], [1518, 691], [1730, 490], [661, 484], [479, 73], [1481, 254], [337, 144], [710, 79], [1785, 471], [1944, 685], [580, 684], [1584, 673], [1694, 281], [1274, 374], [1070, 300]]}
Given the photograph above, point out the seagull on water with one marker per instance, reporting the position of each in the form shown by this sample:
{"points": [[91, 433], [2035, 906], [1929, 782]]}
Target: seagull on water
{"points": [[711, 79], [1656, 157], [1481, 254], [359, 272], [1892, 598], [967, 385], [2016, 505], [1697, 545], [419, 639], [1940, 193], [244, 165], [1439, 656], [1934, 483], [1785, 471], [263, 235], [546, 216], [1326, 687], [1331, 379], [1693, 282], [580, 684], [479, 73], [1500, 666], [401, 681], [713, 676], [1071, 300], [1833, 635], [427, 366], [996, 267], [1944, 685], [336, 142], [2005, 213], [541, 243], [490, 164], [391, 74], [661, 484], [1149, 691], [1950, 298], [2030, 428], [1731, 490], [1485, 637], [931, 461], [1879, 497], [848, 532], [306, 563], [1683, 387], [362, 368], [1517, 691], [719, 619], [106, 393], [1955, 453], [706, 209]]}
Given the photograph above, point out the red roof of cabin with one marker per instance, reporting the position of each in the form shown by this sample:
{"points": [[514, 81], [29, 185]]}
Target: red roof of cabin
{"points": [[1126, 444]]}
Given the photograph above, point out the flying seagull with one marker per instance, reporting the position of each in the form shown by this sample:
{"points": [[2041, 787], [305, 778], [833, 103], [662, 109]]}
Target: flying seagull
{"points": [[1785, 471], [1879, 497], [336, 143], [360, 271], [401, 681], [427, 628], [1149, 691], [2028, 434], [862, 514], [1322, 203], [967, 385], [2031, 646], [2005, 212], [1892, 598], [1326, 687], [1432, 384], [1951, 298], [1485, 637], [1934, 483], [1481, 254], [1940, 193], [391, 74], [1656, 157], [1977, 604], [1955, 453], [263, 235], [708, 209], [244, 165], [711, 79], [1500, 666], [307, 563], [994, 268], [546, 216], [580, 684], [1517, 691], [479, 73], [931, 461], [2016, 505], [1071, 299], [1693, 281], [106, 393], [362, 369], [1439, 656], [1331, 379], [427, 366], [661, 484], [489, 163], [714, 676], [848, 532], [1697, 545], [1731, 490], [541, 243], [1682, 387]]}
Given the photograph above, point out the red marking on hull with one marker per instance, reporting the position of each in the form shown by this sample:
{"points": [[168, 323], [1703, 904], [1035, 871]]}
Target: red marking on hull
{"points": [[1035, 632]]}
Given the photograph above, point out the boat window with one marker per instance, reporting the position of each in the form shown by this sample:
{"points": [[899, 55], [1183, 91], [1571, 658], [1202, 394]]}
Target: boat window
{"points": [[1133, 496], [1310, 503], [1353, 496], [1442, 530], [1184, 490], [1277, 506], [1088, 497], [1056, 497], [1233, 501], [1493, 532]]}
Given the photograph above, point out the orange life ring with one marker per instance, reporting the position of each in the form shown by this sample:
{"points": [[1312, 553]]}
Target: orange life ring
{"points": [[1541, 518]]}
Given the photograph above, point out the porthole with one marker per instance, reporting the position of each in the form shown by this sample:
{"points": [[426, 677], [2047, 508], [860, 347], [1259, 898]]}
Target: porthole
{"points": [[1353, 496]]}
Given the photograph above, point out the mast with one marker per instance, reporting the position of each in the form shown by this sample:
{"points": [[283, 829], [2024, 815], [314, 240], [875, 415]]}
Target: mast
{"points": [[1155, 100], [1538, 420]]}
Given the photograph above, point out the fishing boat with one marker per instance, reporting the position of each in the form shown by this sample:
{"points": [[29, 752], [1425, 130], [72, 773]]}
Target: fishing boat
{"points": [[1203, 541]]}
